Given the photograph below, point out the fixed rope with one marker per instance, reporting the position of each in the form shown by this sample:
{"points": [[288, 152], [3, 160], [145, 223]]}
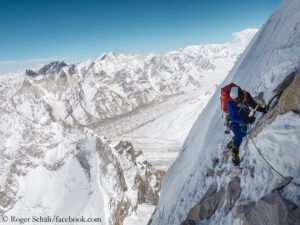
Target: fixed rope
{"points": [[289, 179], [286, 178]]}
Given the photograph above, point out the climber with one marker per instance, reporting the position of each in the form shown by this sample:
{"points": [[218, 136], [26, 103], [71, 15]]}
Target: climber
{"points": [[238, 110]]}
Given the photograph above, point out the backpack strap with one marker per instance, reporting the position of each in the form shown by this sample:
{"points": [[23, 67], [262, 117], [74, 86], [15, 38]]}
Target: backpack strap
{"points": [[245, 97]]}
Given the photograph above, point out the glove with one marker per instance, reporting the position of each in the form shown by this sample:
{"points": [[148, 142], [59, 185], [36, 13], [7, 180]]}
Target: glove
{"points": [[249, 119], [262, 109]]}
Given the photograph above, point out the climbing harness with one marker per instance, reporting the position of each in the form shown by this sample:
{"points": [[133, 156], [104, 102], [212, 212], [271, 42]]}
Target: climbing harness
{"points": [[244, 127]]}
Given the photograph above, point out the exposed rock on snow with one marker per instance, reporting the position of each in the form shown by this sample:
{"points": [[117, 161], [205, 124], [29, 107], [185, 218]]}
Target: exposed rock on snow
{"points": [[49, 69], [280, 186], [188, 222], [232, 194], [233, 172], [289, 100], [215, 199], [285, 83], [207, 206], [129, 180], [210, 173], [271, 209]]}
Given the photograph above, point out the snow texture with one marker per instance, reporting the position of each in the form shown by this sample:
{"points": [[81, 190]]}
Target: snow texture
{"points": [[272, 55]]}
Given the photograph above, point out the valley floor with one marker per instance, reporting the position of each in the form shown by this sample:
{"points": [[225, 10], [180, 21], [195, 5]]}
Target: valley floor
{"points": [[160, 139]]}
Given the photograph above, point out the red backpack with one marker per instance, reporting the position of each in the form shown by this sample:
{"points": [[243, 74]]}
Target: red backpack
{"points": [[225, 96]]}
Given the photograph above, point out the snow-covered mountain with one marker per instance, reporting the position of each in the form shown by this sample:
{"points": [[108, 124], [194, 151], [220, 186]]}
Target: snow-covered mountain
{"points": [[55, 160], [47, 171], [201, 187], [113, 85]]}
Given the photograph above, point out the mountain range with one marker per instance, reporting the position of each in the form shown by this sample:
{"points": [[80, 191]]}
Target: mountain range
{"points": [[56, 121]]}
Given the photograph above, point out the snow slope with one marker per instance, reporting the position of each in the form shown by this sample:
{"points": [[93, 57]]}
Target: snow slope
{"points": [[270, 57]]}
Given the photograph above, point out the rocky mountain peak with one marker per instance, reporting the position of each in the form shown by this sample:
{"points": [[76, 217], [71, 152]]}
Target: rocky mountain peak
{"points": [[49, 69], [107, 55]]}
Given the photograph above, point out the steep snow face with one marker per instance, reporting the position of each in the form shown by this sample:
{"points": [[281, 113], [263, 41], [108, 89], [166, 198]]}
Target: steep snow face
{"points": [[270, 57]]}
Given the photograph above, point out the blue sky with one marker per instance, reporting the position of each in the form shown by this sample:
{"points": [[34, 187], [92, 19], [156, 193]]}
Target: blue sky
{"points": [[40, 31]]}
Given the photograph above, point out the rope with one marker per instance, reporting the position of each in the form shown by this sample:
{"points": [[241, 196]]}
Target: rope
{"points": [[259, 152], [257, 149], [287, 178], [271, 100]]}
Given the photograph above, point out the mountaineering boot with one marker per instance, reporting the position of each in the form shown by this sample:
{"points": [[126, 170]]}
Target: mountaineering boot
{"points": [[235, 156], [230, 144]]}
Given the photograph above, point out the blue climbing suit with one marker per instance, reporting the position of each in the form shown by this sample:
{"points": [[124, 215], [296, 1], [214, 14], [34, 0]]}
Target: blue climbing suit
{"points": [[237, 114]]}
